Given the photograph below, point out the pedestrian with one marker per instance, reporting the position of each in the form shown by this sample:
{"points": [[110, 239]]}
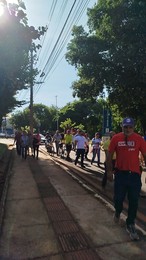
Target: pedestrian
{"points": [[80, 143], [36, 143], [48, 137], [57, 139], [127, 180], [30, 143], [68, 143], [24, 144], [73, 132], [96, 143], [87, 146], [17, 140], [105, 147]]}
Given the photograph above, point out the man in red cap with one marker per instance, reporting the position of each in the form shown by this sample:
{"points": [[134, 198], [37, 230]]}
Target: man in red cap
{"points": [[127, 181]]}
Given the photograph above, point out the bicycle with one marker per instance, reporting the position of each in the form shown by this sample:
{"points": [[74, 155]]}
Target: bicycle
{"points": [[62, 150]]}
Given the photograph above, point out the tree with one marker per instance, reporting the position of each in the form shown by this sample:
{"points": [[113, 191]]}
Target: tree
{"points": [[44, 118], [67, 124], [85, 112], [84, 52], [78, 114], [113, 54], [20, 119], [15, 43]]}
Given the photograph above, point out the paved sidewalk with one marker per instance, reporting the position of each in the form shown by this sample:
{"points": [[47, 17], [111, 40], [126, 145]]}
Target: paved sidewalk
{"points": [[29, 231]]}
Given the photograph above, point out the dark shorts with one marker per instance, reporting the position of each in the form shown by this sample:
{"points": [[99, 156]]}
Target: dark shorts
{"points": [[68, 147]]}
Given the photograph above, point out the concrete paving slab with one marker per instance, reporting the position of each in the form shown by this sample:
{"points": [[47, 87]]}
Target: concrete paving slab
{"points": [[26, 212], [22, 184], [28, 242], [19, 191], [126, 251]]}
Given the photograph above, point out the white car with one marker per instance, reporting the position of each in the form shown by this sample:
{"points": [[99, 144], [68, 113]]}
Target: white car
{"points": [[3, 135], [43, 139]]}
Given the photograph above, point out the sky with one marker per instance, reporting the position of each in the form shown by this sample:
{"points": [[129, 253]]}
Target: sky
{"points": [[59, 75]]}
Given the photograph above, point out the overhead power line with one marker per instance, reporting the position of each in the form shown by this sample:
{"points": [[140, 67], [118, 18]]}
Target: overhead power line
{"points": [[56, 38], [64, 39], [76, 11]]}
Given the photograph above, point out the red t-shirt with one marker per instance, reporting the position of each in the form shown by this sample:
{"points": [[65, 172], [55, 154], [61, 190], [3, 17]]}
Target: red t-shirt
{"points": [[127, 155]]}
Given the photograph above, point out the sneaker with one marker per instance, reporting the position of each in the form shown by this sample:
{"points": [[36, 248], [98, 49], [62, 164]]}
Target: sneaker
{"points": [[132, 232], [116, 217]]}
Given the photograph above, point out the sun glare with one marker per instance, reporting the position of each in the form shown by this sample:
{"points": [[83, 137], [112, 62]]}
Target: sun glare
{"points": [[13, 1], [1, 9], [8, 1]]}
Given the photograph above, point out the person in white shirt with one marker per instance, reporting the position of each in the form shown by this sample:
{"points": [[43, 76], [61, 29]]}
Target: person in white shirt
{"points": [[80, 143], [57, 138], [24, 144]]}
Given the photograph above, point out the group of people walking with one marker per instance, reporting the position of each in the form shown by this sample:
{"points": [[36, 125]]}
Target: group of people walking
{"points": [[25, 142], [122, 164], [78, 141]]}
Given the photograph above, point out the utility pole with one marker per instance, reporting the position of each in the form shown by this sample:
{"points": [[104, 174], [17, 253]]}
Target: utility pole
{"points": [[56, 112], [31, 90]]}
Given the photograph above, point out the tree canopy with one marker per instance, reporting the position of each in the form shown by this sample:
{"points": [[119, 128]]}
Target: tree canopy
{"points": [[112, 55], [79, 114], [85, 112], [44, 118], [15, 43]]}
